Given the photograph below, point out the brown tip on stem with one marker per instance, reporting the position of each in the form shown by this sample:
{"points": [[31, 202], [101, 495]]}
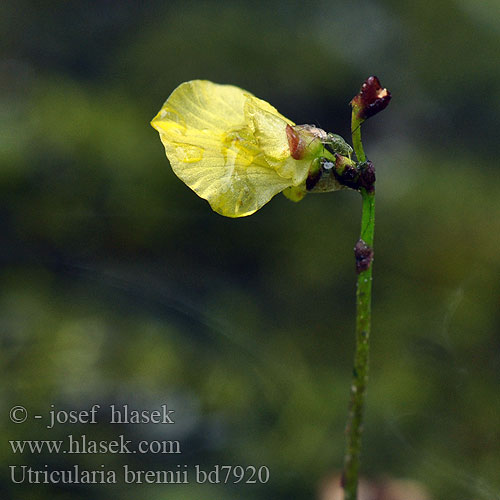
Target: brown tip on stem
{"points": [[372, 98]]}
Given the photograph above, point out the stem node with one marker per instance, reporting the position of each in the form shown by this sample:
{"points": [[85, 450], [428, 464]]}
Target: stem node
{"points": [[364, 256]]}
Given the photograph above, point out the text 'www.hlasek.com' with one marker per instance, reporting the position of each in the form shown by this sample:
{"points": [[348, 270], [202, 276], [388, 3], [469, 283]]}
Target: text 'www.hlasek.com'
{"points": [[74, 445]]}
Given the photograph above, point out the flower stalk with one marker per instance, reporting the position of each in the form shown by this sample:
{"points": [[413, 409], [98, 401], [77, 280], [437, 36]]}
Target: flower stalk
{"points": [[364, 255], [371, 99]]}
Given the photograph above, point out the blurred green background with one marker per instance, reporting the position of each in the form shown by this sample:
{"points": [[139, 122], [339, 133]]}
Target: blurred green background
{"points": [[119, 285]]}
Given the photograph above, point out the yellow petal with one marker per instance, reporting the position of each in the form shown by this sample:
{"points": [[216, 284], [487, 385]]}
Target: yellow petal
{"points": [[269, 128], [212, 148]]}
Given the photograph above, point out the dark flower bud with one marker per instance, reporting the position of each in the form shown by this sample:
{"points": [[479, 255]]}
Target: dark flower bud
{"points": [[315, 173], [371, 99], [364, 256], [367, 176], [346, 172]]}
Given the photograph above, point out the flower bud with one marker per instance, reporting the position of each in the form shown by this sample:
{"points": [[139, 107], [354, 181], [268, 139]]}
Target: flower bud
{"points": [[371, 99], [367, 176], [346, 171], [364, 256]]}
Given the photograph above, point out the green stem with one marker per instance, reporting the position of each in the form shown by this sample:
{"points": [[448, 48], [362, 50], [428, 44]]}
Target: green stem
{"points": [[356, 137], [354, 426]]}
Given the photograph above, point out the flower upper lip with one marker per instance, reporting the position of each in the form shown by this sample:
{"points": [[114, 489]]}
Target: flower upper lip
{"points": [[227, 145]]}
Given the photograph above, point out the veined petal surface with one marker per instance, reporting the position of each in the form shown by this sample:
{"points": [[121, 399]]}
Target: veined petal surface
{"points": [[210, 136]]}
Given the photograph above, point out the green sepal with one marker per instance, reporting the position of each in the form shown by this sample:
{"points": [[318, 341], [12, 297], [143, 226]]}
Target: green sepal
{"points": [[296, 193]]}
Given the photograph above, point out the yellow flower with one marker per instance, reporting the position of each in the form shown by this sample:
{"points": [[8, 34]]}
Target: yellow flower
{"points": [[228, 146]]}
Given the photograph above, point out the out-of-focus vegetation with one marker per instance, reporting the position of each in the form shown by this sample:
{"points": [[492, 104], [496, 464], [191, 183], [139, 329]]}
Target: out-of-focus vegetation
{"points": [[119, 285]]}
